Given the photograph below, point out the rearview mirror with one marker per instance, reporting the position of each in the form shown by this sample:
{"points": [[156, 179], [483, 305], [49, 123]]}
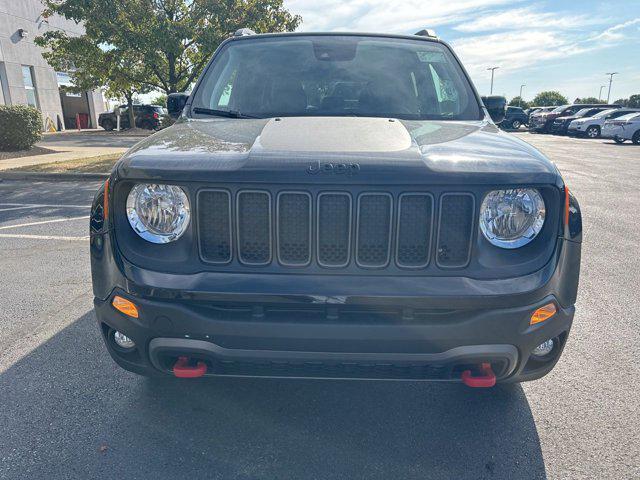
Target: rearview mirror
{"points": [[175, 103], [496, 106]]}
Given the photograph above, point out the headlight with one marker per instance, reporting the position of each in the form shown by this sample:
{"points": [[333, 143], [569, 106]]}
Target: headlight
{"points": [[512, 218], [158, 213]]}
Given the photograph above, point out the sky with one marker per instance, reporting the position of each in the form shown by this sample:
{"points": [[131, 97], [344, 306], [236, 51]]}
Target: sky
{"points": [[564, 45]]}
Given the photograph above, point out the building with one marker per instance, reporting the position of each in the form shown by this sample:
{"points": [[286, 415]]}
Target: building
{"points": [[26, 78]]}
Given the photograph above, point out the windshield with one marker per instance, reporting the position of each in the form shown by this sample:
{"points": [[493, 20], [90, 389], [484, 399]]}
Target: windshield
{"points": [[583, 112], [559, 109], [629, 116], [604, 113], [337, 76]]}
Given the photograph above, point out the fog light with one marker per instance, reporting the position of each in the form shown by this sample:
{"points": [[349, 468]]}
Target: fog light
{"points": [[544, 348], [123, 341]]}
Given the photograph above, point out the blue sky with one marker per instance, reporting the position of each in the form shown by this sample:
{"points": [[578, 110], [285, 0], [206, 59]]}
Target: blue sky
{"points": [[565, 45]]}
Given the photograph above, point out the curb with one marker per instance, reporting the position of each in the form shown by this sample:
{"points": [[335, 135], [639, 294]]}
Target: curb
{"points": [[53, 177]]}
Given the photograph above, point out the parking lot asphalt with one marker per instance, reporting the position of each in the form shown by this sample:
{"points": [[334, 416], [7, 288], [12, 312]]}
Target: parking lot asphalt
{"points": [[67, 411]]}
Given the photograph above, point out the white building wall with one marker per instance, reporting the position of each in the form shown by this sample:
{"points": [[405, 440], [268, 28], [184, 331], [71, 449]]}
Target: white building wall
{"points": [[16, 51]]}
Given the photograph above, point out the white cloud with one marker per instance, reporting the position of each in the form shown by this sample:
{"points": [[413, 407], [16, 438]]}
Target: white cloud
{"points": [[620, 31], [525, 19], [399, 16], [519, 49]]}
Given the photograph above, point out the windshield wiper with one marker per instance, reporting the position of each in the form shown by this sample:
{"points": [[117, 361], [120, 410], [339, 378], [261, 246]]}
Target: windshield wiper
{"points": [[221, 113]]}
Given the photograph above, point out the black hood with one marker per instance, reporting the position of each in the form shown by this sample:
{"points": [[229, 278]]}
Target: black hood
{"points": [[362, 150]]}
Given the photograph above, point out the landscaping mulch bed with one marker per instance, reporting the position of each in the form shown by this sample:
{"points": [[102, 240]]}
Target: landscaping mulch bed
{"points": [[4, 155]]}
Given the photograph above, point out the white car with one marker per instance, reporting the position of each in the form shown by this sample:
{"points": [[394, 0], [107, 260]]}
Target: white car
{"points": [[623, 128], [591, 127]]}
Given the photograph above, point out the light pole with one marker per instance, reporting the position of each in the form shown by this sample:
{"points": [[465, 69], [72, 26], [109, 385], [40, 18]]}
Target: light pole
{"points": [[600, 94], [493, 69], [610, 81], [520, 102]]}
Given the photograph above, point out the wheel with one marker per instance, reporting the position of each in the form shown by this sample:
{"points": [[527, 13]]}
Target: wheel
{"points": [[108, 125], [617, 139], [515, 124], [593, 131], [636, 138], [147, 125]]}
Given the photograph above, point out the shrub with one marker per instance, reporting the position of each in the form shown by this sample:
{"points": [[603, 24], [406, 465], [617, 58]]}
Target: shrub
{"points": [[20, 127]]}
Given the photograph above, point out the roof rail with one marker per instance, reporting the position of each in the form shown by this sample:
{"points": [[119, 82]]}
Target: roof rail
{"points": [[243, 32], [427, 32]]}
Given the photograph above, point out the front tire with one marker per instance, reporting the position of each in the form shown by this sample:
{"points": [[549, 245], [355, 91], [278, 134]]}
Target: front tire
{"points": [[636, 138], [108, 125], [593, 131], [617, 139], [515, 124]]}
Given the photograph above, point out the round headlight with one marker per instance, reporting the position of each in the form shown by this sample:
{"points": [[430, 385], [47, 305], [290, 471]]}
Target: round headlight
{"points": [[512, 218], [158, 213]]}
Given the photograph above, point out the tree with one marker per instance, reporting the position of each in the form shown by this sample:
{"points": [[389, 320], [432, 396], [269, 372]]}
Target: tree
{"points": [[171, 39], [591, 100], [622, 101], [92, 66], [549, 98], [634, 101], [519, 102], [160, 99]]}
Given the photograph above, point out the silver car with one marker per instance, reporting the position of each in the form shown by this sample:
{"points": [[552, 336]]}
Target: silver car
{"points": [[623, 128], [591, 127]]}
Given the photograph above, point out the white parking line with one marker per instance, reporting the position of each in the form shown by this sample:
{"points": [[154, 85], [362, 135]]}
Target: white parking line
{"points": [[42, 205], [69, 219], [42, 237]]}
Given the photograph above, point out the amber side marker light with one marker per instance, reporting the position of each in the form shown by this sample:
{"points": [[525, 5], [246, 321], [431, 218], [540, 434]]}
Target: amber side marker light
{"points": [[125, 306], [543, 313]]}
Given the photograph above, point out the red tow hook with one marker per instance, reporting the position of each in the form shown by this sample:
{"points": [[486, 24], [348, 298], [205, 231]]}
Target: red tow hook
{"points": [[485, 380], [182, 369]]}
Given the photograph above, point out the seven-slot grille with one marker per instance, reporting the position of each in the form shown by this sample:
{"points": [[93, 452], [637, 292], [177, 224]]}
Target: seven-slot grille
{"points": [[334, 229]]}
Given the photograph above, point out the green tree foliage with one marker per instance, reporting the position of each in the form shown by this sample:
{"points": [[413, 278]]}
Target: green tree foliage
{"points": [[20, 127], [621, 101], [588, 100], [634, 101], [169, 40], [160, 99], [91, 66], [519, 102], [549, 98]]}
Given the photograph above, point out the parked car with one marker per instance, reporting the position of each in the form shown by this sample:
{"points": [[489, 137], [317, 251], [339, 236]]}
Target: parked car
{"points": [[531, 110], [623, 128], [514, 118], [146, 116], [391, 233], [561, 124], [541, 122], [591, 127]]}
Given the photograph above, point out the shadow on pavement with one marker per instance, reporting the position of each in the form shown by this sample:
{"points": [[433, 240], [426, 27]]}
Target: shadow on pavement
{"points": [[69, 412]]}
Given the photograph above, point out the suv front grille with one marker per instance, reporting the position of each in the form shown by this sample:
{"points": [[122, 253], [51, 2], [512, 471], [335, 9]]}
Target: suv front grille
{"points": [[333, 229]]}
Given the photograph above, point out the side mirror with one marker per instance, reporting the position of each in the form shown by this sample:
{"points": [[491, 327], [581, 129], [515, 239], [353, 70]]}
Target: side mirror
{"points": [[175, 103], [496, 106]]}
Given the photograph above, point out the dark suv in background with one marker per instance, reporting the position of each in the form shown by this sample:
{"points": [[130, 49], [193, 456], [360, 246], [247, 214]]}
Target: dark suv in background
{"points": [[148, 117], [514, 118], [560, 125], [541, 122]]}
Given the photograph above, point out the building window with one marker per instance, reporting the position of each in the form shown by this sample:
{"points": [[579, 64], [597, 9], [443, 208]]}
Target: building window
{"points": [[30, 86]]}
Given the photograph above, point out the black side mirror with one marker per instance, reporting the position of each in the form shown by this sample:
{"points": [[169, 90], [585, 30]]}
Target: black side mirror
{"points": [[496, 106], [175, 103]]}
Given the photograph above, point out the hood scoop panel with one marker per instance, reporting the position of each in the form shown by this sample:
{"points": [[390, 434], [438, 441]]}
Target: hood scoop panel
{"points": [[334, 134]]}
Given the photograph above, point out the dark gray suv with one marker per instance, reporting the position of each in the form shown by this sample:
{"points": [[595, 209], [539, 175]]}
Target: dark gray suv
{"points": [[335, 206]]}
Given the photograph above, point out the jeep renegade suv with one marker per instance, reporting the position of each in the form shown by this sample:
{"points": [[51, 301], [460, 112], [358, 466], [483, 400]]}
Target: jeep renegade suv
{"points": [[335, 206]]}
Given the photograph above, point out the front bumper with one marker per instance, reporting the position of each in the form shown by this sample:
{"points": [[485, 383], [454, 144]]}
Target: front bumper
{"points": [[413, 328], [437, 346]]}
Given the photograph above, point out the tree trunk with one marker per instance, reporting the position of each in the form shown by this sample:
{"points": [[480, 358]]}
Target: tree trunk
{"points": [[132, 116]]}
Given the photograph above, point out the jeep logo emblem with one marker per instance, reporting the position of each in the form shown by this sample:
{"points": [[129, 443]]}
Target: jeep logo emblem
{"points": [[334, 168]]}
